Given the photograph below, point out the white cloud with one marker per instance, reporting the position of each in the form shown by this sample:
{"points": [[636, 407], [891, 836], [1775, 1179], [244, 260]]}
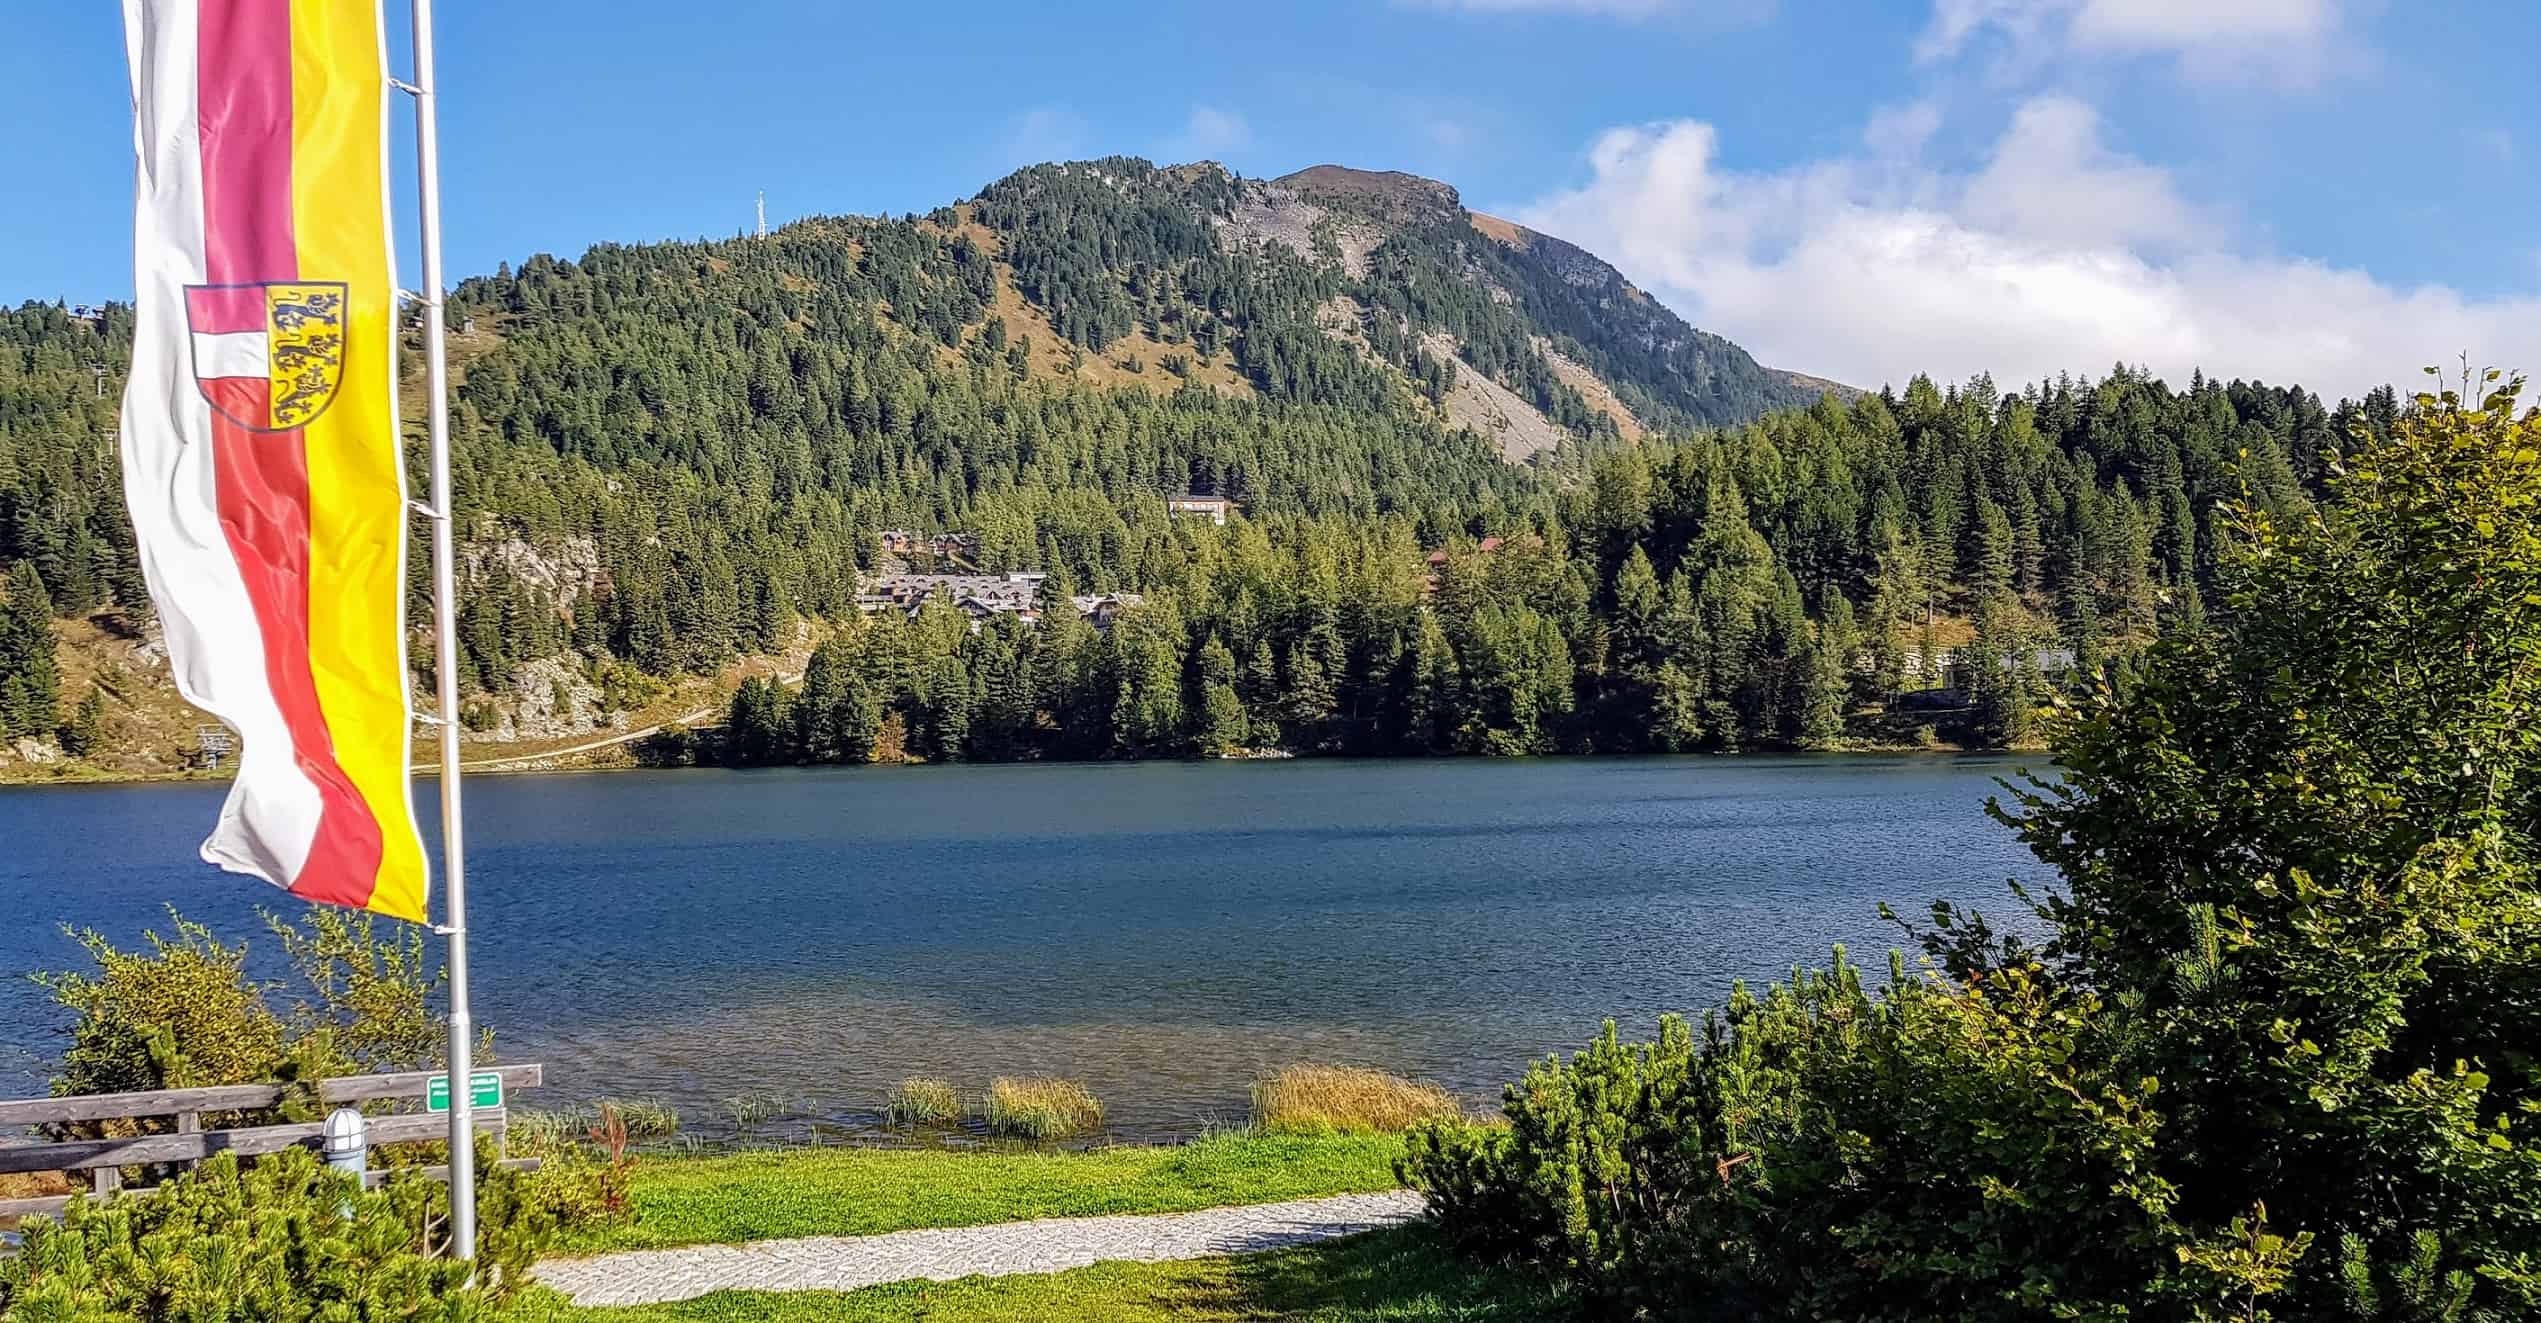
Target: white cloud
{"points": [[2177, 25], [2056, 254], [2051, 179], [2285, 42], [1899, 132], [1044, 133], [1448, 133], [1208, 134]]}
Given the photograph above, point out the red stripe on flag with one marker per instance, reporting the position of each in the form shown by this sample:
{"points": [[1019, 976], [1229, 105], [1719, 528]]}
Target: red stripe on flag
{"points": [[225, 310], [244, 111], [264, 499]]}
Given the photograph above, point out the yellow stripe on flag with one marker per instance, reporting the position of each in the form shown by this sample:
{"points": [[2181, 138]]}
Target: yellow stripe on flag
{"points": [[356, 485]]}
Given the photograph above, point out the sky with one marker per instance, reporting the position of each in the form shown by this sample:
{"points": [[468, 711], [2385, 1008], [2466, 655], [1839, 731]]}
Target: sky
{"points": [[2327, 192]]}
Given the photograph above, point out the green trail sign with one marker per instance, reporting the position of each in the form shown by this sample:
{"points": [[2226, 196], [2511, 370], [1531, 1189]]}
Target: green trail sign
{"points": [[485, 1089]]}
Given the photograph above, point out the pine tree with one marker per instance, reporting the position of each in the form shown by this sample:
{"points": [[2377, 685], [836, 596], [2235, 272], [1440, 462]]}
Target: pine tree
{"points": [[816, 728], [1998, 677], [85, 733], [1431, 705], [1676, 718], [858, 720], [1223, 723], [1829, 683], [30, 675], [1261, 691]]}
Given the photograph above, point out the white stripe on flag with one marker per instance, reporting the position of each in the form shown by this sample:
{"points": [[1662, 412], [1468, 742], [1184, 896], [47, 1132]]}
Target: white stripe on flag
{"points": [[215, 650], [236, 354]]}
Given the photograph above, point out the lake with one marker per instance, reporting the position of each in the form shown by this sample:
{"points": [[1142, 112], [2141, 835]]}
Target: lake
{"points": [[1162, 931]]}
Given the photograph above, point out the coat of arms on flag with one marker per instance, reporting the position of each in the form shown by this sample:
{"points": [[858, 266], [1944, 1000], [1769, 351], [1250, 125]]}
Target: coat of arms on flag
{"points": [[268, 356]]}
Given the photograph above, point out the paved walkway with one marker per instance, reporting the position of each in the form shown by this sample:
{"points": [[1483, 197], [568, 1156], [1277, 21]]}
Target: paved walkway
{"points": [[843, 1263]]}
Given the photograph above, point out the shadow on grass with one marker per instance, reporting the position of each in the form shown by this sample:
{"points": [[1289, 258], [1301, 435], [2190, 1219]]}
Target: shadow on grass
{"points": [[1405, 1275]]}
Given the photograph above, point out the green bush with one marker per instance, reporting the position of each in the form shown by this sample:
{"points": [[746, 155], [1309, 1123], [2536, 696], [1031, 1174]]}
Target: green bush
{"points": [[281, 1239], [2277, 1056], [184, 1013]]}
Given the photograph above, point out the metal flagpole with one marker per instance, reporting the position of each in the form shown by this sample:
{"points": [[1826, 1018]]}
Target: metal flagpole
{"points": [[445, 634]]}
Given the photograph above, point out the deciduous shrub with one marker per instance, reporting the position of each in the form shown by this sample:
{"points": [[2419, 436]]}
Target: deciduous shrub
{"points": [[186, 1014], [280, 1239], [183, 1014], [2271, 1050]]}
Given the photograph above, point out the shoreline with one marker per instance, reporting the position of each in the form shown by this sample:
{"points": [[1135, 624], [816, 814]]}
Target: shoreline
{"points": [[523, 765]]}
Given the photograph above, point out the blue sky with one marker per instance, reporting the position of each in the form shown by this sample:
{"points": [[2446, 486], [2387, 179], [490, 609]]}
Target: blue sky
{"points": [[2332, 191]]}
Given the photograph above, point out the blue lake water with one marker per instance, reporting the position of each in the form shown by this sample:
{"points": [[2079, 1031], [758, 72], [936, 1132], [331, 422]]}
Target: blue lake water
{"points": [[1161, 931]]}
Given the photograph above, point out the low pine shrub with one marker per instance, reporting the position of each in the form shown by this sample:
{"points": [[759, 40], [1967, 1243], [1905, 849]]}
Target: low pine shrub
{"points": [[1345, 1100], [281, 1239], [1042, 1109]]}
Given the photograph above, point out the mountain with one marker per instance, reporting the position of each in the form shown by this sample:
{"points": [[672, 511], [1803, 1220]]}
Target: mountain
{"points": [[676, 459], [1559, 328]]}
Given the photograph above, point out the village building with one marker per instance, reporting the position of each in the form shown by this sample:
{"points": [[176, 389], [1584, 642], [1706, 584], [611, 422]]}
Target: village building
{"points": [[1104, 608], [1438, 561], [981, 596], [1190, 505], [1013, 591], [1438, 558], [1954, 679], [905, 542]]}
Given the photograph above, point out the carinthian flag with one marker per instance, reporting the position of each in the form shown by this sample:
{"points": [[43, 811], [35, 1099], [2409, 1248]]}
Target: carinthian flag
{"points": [[260, 433]]}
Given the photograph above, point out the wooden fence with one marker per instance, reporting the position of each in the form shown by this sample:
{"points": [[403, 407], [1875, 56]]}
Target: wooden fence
{"points": [[103, 1160]]}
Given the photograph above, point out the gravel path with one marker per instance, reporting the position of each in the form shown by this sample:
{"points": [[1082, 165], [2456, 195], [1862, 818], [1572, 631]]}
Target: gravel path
{"points": [[843, 1263]]}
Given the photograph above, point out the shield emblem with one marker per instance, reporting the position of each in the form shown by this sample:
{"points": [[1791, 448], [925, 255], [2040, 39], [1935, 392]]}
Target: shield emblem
{"points": [[268, 356]]}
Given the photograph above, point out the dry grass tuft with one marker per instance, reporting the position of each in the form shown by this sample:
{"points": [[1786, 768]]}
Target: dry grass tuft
{"points": [[1344, 1100], [1041, 1108], [37, 1185], [923, 1100]]}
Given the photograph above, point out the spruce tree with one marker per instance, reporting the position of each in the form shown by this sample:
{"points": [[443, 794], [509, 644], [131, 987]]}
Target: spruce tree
{"points": [[30, 675]]}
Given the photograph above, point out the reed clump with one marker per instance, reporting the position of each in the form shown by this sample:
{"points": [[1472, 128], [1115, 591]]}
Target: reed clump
{"points": [[529, 1133], [1041, 1108], [1310, 1099], [648, 1118], [923, 1100], [749, 1111]]}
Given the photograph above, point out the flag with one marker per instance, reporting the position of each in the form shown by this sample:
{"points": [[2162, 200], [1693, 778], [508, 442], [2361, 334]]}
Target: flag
{"points": [[260, 441]]}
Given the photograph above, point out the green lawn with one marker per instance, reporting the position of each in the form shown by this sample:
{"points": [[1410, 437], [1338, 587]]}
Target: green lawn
{"points": [[857, 1192], [1401, 1276]]}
